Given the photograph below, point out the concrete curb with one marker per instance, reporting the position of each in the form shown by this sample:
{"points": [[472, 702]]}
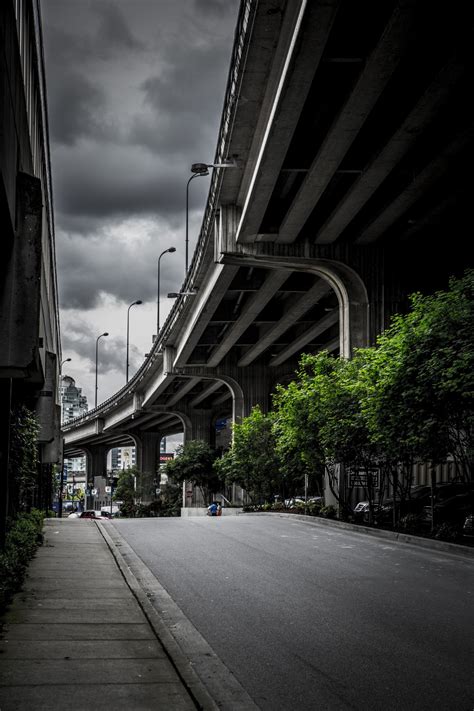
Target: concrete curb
{"points": [[190, 654], [428, 543]]}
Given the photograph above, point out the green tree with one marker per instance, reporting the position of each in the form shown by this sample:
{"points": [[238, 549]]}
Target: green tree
{"points": [[252, 462], [23, 457], [125, 490], [422, 382], [194, 462]]}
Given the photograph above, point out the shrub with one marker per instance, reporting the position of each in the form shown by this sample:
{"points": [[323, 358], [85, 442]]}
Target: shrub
{"points": [[329, 511], [447, 532], [411, 523], [22, 539]]}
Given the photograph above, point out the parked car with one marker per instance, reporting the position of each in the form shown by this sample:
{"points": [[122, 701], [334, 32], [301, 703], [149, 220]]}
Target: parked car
{"points": [[298, 501], [91, 514], [454, 509], [363, 513]]}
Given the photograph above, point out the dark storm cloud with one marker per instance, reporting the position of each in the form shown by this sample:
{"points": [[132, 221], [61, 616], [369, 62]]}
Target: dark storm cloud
{"points": [[122, 183], [91, 269], [212, 7], [112, 348], [77, 106], [113, 32], [185, 107]]}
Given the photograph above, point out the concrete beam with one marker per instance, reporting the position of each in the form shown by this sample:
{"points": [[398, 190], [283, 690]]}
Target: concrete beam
{"points": [[217, 282], [331, 346], [400, 143], [222, 398], [293, 314], [378, 71], [155, 386], [212, 387], [287, 90], [91, 428], [298, 345], [121, 414], [183, 390], [251, 310], [418, 187]]}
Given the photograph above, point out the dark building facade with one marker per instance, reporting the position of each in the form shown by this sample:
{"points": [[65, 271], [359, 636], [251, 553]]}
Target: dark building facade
{"points": [[29, 323]]}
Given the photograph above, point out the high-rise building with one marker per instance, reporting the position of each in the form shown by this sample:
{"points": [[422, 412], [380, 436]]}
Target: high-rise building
{"points": [[73, 404], [30, 349]]}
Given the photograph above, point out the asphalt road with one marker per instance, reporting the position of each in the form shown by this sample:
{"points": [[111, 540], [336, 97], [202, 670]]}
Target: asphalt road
{"points": [[308, 617]]}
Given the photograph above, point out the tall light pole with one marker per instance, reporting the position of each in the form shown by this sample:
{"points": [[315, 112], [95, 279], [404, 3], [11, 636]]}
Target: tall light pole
{"points": [[200, 170], [97, 362], [170, 249], [199, 173], [135, 303]]}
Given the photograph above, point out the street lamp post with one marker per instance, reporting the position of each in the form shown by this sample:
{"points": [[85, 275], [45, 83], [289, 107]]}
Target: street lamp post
{"points": [[196, 174], [135, 303], [200, 170], [66, 360], [97, 362], [170, 249]]}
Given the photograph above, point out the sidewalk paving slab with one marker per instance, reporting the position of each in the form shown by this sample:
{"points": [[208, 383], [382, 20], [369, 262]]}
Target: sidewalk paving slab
{"points": [[76, 635]]}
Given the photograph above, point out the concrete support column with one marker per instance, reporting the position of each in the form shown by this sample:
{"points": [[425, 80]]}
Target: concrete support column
{"points": [[147, 450], [96, 470], [255, 384], [198, 425]]}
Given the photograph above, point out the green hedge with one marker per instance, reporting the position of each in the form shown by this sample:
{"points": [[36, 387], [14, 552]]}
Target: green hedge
{"points": [[22, 539]]}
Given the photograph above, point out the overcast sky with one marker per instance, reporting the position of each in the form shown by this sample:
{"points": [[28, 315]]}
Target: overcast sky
{"points": [[135, 95]]}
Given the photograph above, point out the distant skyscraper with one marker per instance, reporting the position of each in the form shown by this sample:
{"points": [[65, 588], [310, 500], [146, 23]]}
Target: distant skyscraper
{"points": [[73, 403]]}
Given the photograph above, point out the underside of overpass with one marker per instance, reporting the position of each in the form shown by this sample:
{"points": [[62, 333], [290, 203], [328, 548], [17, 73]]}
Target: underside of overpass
{"points": [[350, 129]]}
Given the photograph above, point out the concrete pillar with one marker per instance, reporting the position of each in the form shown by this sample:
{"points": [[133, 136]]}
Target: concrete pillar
{"points": [[255, 384], [147, 451], [199, 426], [96, 470]]}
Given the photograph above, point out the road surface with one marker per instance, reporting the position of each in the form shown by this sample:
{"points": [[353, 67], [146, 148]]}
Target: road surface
{"points": [[312, 617]]}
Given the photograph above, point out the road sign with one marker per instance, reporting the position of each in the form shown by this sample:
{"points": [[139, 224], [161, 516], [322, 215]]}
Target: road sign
{"points": [[364, 479]]}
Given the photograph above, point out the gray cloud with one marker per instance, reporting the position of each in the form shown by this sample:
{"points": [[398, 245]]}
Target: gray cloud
{"points": [[80, 342], [123, 183], [113, 32], [90, 269], [77, 105], [135, 92], [220, 8]]}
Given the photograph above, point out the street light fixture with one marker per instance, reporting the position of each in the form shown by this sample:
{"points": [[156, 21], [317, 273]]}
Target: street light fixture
{"points": [[135, 303], [200, 170], [97, 362], [170, 249], [175, 294]]}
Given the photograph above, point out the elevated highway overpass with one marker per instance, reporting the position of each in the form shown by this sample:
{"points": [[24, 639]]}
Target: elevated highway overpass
{"points": [[350, 129]]}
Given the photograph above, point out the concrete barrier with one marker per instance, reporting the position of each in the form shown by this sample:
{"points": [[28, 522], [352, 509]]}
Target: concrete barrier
{"points": [[202, 511]]}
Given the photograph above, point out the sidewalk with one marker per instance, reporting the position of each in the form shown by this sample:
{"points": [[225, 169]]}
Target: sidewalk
{"points": [[76, 637]]}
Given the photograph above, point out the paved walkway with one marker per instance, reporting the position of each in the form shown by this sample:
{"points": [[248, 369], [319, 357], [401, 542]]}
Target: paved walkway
{"points": [[76, 637]]}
